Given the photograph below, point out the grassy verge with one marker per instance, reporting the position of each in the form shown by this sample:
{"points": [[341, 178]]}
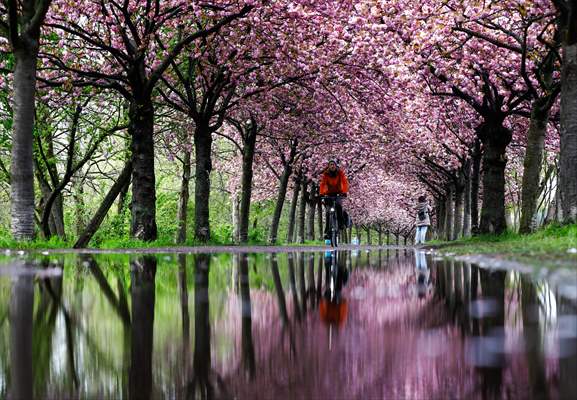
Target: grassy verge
{"points": [[6, 242], [552, 244]]}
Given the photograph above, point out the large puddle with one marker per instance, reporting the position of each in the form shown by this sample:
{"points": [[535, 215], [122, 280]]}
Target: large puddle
{"points": [[391, 324]]}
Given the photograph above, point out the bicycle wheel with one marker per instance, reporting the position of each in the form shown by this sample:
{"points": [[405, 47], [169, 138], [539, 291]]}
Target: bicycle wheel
{"points": [[334, 231]]}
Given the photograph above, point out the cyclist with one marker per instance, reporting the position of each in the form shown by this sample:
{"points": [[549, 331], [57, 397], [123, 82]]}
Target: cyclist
{"points": [[334, 183]]}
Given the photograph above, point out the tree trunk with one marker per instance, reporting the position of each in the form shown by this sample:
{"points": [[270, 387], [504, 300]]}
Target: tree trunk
{"points": [[21, 168], [369, 241], [236, 218], [95, 222], [79, 205], [283, 184], [568, 145], [459, 211], [246, 182], [182, 214], [312, 206], [449, 214], [141, 129], [495, 138], [532, 164], [203, 149], [380, 236], [302, 212], [320, 227], [441, 215], [475, 183], [293, 210], [467, 200]]}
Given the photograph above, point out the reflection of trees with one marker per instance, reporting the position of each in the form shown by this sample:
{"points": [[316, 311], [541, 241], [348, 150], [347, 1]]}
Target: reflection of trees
{"points": [[21, 317], [302, 283], [142, 293], [292, 281], [281, 302], [50, 290], [568, 365], [202, 383], [248, 356], [493, 288], [185, 316], [533, 337]]}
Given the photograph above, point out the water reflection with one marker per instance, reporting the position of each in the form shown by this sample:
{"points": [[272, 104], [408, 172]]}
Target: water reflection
{"points": [[386, 324], [142, 295]]}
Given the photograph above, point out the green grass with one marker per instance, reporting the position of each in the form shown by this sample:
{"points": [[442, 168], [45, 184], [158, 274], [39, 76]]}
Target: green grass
{"points": [[549, 245], [6, 242]]}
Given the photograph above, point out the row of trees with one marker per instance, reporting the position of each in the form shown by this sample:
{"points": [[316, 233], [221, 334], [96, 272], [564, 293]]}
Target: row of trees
{"points": [[471, 103]]}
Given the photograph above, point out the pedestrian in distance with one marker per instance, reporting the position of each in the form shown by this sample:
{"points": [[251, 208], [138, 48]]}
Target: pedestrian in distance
{"points": [[422, 219]]}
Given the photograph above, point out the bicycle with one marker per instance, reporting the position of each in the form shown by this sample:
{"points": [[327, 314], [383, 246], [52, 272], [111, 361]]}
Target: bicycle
{"points": [[329, 202]]}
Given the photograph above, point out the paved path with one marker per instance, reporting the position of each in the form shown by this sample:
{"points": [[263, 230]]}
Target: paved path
{"points": [[223, 249]]}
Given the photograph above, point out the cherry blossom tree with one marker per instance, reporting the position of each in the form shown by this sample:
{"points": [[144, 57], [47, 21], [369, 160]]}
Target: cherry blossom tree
{"points": [[21, 23]]}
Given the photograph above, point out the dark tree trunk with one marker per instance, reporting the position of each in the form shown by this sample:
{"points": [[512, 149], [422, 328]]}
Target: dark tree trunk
{"points": [[495, 138], [568, 145], [246, 182], [532, 163], [293, 210], [203, 149], [467, 200], [142, 293], [141, 129], [302, 212], [21, 166], [475, 183], [283, 184], [182, 214], [98, 217], [312, 206], [441, 215], [459, 210], [449, 214]]}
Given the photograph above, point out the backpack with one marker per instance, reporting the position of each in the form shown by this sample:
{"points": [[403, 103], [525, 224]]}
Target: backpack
{"points": [[422, 215]]}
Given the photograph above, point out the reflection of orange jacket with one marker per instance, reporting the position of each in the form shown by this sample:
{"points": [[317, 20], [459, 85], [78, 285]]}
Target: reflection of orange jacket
{"points": [[337, 184]]}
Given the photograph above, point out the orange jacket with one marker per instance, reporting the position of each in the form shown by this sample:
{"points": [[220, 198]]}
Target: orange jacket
{"points": [[334, 184]]}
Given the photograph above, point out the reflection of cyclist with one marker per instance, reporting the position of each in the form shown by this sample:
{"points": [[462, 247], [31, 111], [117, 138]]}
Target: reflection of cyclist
{"points": [[333, 306], [334, 183]]}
